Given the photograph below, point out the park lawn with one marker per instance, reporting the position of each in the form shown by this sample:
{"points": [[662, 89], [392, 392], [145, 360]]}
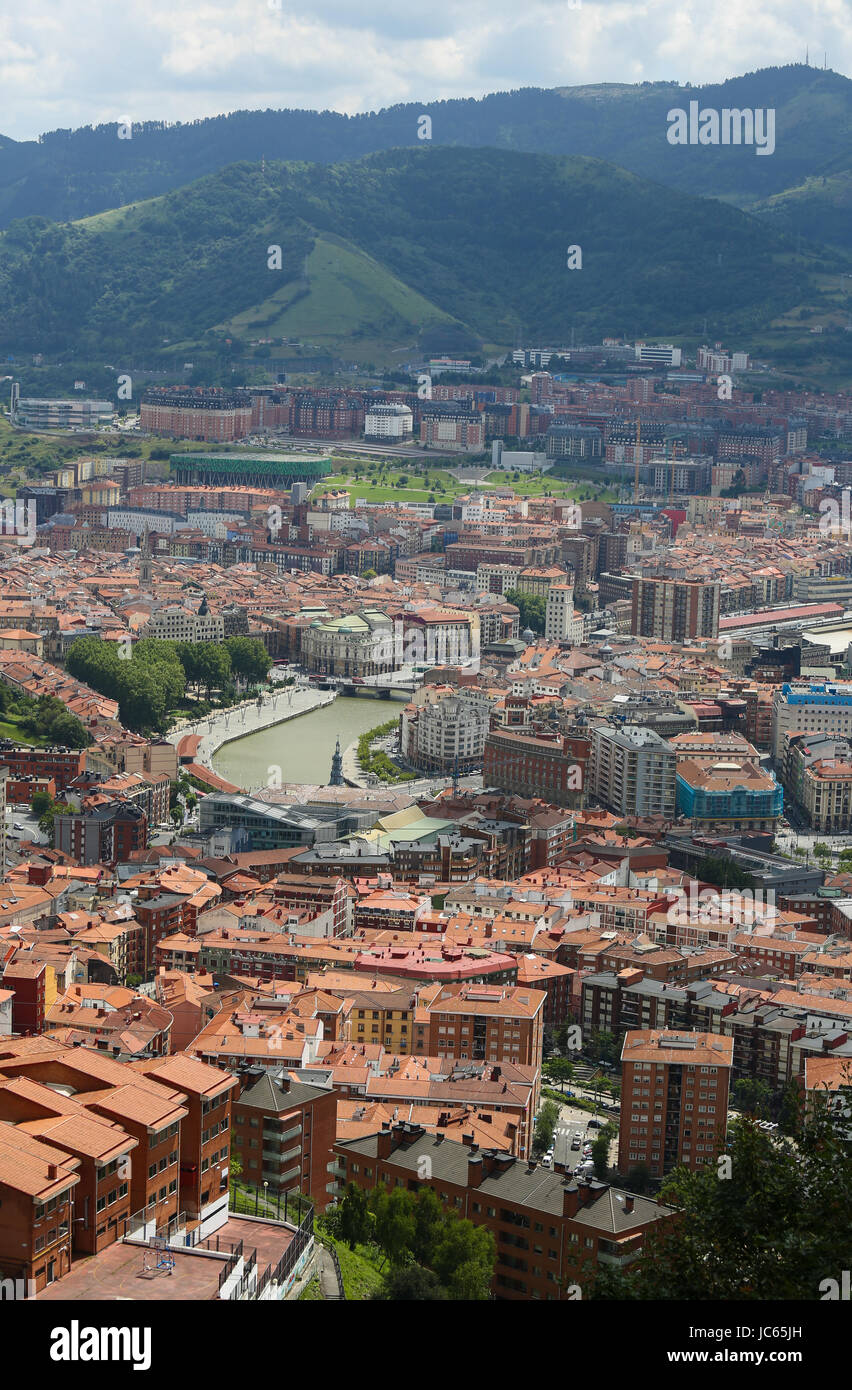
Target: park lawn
{"points": [[390, 491], [537, 485]]}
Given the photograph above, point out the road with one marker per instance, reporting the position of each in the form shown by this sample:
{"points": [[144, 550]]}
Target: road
{"points": [[573, 1122]]}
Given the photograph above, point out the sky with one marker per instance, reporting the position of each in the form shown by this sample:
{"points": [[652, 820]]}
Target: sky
{"points": [[63, 64]]}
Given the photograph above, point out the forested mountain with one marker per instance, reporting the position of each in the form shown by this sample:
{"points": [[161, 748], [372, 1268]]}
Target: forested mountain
{"points": [[71, 174], [474, 242]]}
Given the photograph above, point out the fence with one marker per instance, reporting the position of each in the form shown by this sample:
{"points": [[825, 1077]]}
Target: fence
{"points": [[271, 1203], [335, 1261], [285, 1266], [230, 1264]]}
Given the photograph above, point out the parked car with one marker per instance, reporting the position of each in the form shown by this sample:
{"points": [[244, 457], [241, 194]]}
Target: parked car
{"points": [[547, 1161], [595, 1124]]}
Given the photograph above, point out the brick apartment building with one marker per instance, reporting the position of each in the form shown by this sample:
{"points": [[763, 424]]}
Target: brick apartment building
{"points": [[104, 1142], [482, 1023], [549, 766], [60, 764], [103, 835], [674, 1099], [547, 1227], [283, 1133]]}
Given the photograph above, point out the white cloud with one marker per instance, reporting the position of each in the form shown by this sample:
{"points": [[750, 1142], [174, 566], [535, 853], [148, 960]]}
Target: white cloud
{"points": [[66, 65]]}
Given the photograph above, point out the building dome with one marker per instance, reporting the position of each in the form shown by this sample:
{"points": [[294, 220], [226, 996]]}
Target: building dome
{"points": [[528, 636]]}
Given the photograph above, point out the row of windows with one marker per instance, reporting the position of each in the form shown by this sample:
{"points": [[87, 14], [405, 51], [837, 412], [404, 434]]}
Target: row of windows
{"points": [[168, 1160], [112, 1197]]}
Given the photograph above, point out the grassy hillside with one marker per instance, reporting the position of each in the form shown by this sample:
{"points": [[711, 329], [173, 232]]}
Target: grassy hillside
{"points": [[405, 251], [343, 295]]}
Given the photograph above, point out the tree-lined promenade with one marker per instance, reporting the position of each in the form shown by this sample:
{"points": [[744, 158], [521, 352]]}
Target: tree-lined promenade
{"points": [[151, 679]]}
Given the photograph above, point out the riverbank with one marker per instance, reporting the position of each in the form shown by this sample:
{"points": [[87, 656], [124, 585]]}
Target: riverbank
{"points": [[228, 725]]}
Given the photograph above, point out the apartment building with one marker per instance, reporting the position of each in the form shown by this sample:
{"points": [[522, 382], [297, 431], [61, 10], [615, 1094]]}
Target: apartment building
{"points": [[446, 735], [674, 610], [283, 1133], [103, 834], [810, 707], [561, 624], [482, 1023], [633, 771], [817, 771], [674, 1099], [177, 624], [88, 1142], [549, 766], [548, 1228], [449, 427], [728, 790]]}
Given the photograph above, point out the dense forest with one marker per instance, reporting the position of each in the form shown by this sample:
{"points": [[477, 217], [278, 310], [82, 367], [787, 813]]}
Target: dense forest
{"points": [[69, 174], [478, 239]]}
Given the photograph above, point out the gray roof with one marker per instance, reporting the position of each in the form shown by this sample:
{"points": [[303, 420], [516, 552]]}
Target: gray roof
{"points": [[514, 1180], [267, 1094]]}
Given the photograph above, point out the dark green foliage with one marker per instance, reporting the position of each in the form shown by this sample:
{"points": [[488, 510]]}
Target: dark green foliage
{"points": [[545, 1127], [775, 1229], [48, 718], [411, 1283], [532, 608], [455, 224]]}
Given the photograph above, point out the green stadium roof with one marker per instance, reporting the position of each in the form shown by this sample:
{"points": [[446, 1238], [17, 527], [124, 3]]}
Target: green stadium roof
{"points": [[271, 465]]}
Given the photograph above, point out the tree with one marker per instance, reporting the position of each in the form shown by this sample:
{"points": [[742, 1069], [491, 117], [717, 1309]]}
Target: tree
{"points": [[750, 1096], [45, 821], [561, 1070], [352, 1218], [429, 1220], [411, 1283], [545, 1127], [394, 1222], [600, 1151], [249, 658], [214, 666], [464, 1260], [41, 802], [776, 1229], [532, 609]]}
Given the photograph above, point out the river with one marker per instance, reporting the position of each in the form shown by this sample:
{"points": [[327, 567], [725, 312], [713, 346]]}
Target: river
{"points": [[302, 747]]}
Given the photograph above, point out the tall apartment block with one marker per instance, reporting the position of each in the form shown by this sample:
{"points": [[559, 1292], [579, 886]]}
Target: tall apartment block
{"points": [[674, 609], [633, 771], [674, 1099]]}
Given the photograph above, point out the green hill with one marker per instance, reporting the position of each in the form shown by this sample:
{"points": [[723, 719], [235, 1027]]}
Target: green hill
{"points": [[407, 249], [71, 174]]}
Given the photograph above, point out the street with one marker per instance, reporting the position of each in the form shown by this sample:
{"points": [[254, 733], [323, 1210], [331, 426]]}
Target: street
{"points": [[571, 1122]]}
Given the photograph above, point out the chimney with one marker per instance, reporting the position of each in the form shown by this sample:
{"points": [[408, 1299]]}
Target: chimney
{"points": [[53, 1171], [384, 1142], [629, 1204], [475, 1169], [570, 1199]]}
